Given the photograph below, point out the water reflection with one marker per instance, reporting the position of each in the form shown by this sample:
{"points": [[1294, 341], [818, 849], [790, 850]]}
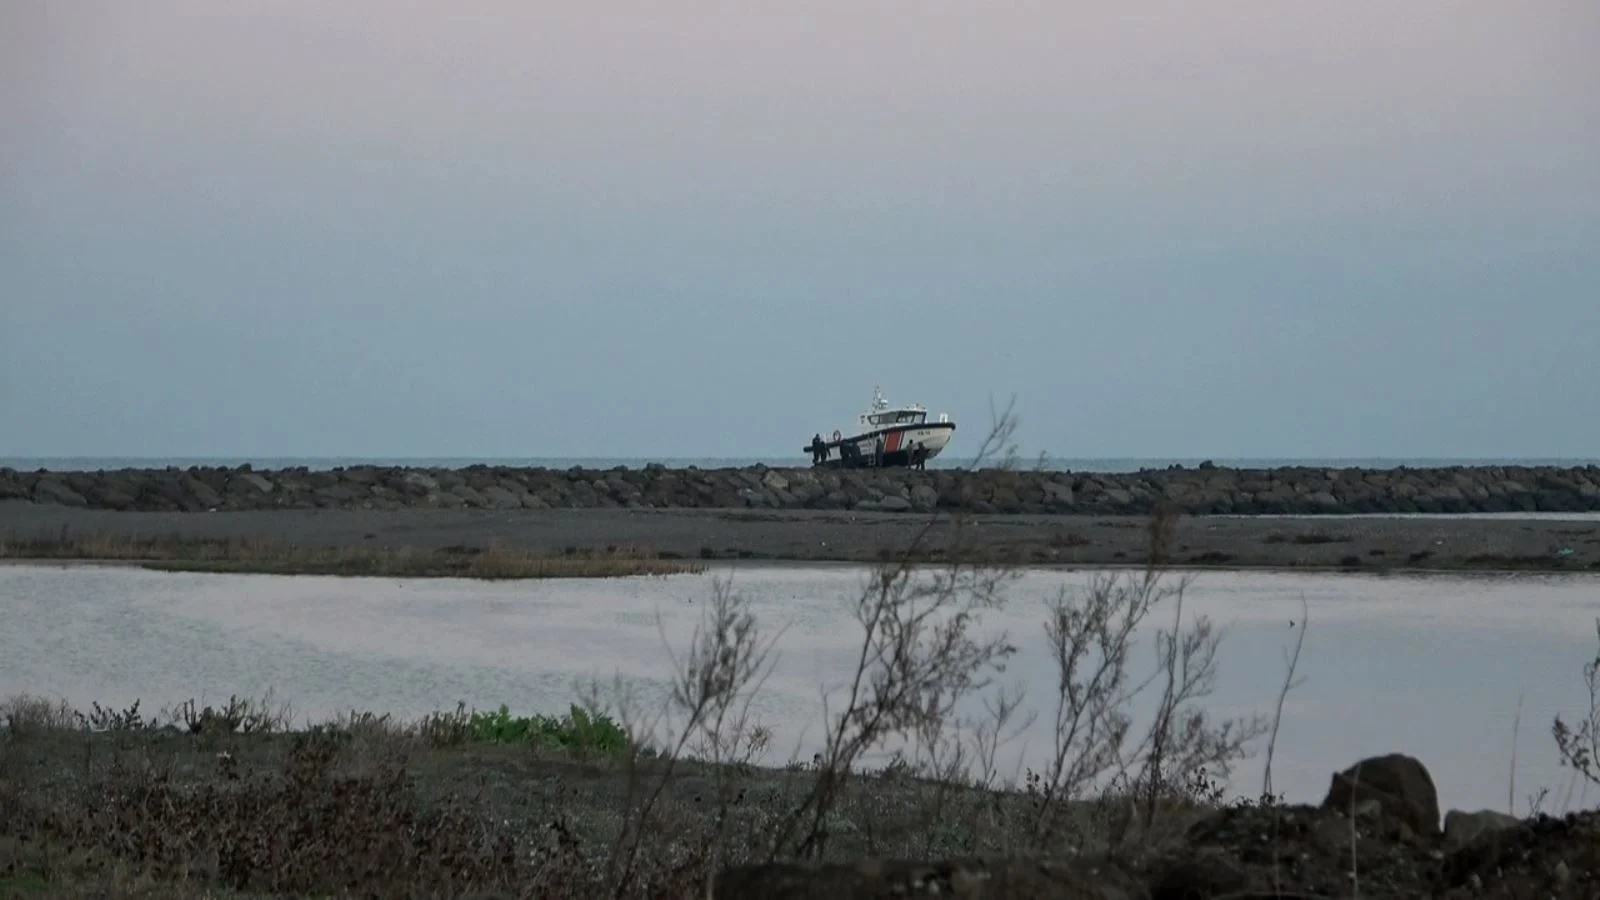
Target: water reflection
{"points": [[1434, 666]]}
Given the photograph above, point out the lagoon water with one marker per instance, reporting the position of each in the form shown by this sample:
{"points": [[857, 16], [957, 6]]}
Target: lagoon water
{"points": [[1435, 666]]}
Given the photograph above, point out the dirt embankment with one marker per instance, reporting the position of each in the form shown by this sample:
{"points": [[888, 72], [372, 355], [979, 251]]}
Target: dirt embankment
{"points": [[1360, 543]]}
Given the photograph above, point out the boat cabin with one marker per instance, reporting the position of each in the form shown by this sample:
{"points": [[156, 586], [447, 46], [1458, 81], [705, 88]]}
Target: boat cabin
{"points": [[883, 416], [906, 416]]}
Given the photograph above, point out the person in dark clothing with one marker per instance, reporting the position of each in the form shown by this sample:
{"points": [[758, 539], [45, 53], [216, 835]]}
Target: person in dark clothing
{"points": [[819, 450]]}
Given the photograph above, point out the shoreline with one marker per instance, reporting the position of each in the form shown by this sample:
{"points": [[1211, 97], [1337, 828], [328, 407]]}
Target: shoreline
{"points": [[159, 565], [1371, 545]]}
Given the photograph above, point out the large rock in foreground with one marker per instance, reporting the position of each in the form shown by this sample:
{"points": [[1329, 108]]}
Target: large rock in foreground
{"points": [[1202, 491], [1399, 785]]}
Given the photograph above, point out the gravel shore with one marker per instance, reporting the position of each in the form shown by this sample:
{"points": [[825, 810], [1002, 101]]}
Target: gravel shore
{"points": [[1571, 543]]}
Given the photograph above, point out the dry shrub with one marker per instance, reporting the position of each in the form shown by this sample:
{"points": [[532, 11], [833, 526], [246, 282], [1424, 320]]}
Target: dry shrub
{"points": [[241, 715], [25, 714], [710, 693], [1578, 742], [304, 829], [1180, 757]]}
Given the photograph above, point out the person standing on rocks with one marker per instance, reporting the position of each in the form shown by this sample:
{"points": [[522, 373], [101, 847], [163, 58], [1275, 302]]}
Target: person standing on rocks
{"points": [[819, 450]]}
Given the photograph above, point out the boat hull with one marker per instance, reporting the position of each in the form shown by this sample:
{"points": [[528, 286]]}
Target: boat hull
{"points": [[897, 444]]}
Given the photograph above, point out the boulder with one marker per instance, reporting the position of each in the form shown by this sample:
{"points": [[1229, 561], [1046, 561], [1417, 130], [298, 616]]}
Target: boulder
{"points": [[251, 482], [1398, 784], [108, 495], [755, 497], [419, 484], [1005, 500], [1057, 494], [894, 503], [1325, 501], [52, 490], [1462, 828], [835, 500], [501, 498], [202, 493], [445, 500], [365, 476]]}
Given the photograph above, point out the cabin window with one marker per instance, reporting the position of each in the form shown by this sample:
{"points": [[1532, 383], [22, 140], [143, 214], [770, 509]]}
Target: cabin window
{"points": [[898, 418]]}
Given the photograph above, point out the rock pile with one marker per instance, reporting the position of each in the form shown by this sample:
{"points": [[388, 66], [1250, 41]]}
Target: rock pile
{"points": [[1194, 491], [1375, 835]]}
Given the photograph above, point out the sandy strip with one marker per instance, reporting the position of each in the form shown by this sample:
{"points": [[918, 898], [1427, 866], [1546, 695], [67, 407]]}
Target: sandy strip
{"points": [[1571, 543]]}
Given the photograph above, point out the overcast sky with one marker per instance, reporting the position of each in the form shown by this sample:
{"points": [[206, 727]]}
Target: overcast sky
{"points": [[686, 228]]}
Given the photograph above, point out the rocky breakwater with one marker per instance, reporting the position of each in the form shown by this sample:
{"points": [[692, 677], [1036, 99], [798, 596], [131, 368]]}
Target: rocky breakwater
{"points": [[1194, 491]]}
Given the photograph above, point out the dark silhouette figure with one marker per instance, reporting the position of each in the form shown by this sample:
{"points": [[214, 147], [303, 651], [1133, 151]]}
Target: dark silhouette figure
{"points": [[819, 450]]}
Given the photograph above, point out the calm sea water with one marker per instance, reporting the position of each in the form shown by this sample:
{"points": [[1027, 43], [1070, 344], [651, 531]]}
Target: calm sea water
{"points": [[1437, 666], [1074, 464]]}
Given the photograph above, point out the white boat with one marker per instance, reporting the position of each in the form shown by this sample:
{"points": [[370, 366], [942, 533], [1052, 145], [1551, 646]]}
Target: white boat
{"points": [[884, 435]]}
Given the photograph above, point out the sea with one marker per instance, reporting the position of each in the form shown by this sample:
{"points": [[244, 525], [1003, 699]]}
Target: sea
{"points": [[1050, 463]]}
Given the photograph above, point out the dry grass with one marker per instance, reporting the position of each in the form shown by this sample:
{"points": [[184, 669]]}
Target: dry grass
{"points": [[1578, 740], [257, 555], [431, 808]]}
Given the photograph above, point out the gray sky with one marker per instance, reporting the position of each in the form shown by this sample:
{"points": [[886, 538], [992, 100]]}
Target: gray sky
{"points": [[697, 229]]}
